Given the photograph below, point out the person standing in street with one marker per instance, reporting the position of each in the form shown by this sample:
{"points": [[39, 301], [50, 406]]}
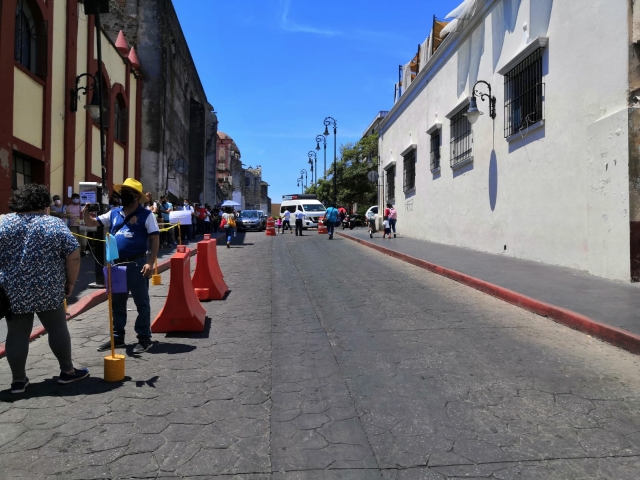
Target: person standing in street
{"points": [[58, 209], [166, 208], [286, 222], [299, 219], [187, 228], [132, 226], [74, 211], [331, 215], [39, 265], [392, 215]]}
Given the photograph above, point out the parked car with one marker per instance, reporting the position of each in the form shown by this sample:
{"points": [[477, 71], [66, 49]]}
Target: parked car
{"points": [[252, 220]]}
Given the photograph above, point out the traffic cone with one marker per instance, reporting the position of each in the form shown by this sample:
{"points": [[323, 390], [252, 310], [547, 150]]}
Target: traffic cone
{"points": [[208, 281], [182, 312]]}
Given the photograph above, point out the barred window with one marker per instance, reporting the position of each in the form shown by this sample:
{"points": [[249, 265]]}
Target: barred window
{"points": [[461, 138], [30, 38], [391, 183], [120, 119], [409, 181], [523, 94], [21, 171], [435, 150]]}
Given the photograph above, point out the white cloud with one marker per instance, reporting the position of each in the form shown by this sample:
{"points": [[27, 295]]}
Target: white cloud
{"points": [[290, 26]]}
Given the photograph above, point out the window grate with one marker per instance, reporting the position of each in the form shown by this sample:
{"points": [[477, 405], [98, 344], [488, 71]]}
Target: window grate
{"points": [[21, 171], [523, 93], [435, 150], [391, 183], [461, 138], [30, 40], [409, 167]]}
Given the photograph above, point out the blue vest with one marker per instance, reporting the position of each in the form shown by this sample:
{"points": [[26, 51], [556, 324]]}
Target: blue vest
{"points": [[131, 237]]}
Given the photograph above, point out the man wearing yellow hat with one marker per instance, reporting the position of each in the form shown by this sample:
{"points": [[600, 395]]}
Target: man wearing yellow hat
{"points": [[132, 225]]}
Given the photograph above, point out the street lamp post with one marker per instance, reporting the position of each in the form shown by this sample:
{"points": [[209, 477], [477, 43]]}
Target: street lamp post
{"points": [[314, 156], [332, 121], [96, 7], [300, 183], [303, 173], [323, 139]]}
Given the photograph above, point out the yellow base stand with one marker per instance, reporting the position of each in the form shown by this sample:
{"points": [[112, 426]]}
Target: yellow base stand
{"points": [[156, 279], [114, 368]]}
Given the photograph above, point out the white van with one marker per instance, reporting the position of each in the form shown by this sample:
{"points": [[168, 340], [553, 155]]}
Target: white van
{"points": [[307, 203]]}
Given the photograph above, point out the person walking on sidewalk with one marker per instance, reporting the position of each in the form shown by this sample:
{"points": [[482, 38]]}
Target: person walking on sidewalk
{"points": [[299, 219], [392, 216], [132, 226], [332, 217], [39, 265]]}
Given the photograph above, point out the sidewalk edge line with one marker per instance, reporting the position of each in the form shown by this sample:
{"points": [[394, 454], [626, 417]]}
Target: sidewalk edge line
{"points": [[86, 303], [608, 333]]}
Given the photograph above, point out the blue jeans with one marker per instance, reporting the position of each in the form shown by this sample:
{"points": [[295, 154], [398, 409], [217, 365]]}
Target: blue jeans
{"points": [[392, 224], [139, 288], [187, 233], [229, 231], [331, 226]]}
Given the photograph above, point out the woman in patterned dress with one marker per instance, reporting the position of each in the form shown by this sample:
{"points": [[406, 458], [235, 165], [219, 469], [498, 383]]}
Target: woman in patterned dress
{"points": [[39, 264]]}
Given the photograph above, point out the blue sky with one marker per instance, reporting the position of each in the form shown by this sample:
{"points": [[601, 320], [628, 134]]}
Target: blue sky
{"points": [[274, 69]]}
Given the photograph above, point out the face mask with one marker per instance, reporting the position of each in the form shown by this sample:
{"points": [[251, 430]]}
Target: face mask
{"points": [[76, 201], [127, 198], [58, 202], [186, 204]]}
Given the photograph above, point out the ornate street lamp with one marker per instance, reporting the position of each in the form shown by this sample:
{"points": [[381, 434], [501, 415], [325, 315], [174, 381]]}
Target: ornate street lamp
{"points": [[303, 172], [473, 113], [323, 139], [314, 156], [331, 121]]}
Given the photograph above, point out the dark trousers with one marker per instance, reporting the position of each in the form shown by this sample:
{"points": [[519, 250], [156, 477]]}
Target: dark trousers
{"points": [[139, 288], [285, 225], [392, 224], [298, 226], [17, 344], [331, 226]]}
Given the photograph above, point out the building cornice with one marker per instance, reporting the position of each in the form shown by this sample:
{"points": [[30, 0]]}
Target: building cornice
{"points": [[444, 52]]}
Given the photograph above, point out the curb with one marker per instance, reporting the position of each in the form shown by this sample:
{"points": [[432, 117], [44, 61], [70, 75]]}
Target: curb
{"points": [[610, 334], [87, 303]]}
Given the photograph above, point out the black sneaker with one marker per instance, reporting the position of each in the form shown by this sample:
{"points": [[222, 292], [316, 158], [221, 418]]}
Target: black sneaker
{"points": [[78, 374], [142, 346], [118, 343], [394, 235], [19, 387]]}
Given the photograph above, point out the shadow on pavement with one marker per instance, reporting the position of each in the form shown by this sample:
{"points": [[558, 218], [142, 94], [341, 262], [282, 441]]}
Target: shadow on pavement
{"points": [[51, 388], [160, 348], [203, 334]]}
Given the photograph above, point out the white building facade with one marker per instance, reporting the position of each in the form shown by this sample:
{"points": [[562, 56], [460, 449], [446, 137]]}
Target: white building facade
{"points": [[553, 178]]}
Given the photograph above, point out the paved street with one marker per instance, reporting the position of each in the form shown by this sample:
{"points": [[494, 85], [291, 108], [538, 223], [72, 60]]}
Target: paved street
{"points": [[329, 360]]}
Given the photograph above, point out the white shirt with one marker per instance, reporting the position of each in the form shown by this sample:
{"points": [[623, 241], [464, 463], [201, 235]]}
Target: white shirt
{"points": [[300, 215], [287, 214]]}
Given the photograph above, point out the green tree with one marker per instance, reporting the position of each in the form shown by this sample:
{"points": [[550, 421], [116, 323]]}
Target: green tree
{"points": [[352, 169]]}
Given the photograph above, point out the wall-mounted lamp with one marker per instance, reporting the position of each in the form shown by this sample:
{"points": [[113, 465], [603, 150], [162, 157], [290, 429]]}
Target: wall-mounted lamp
{"points": [[473, 113], [94, 107]]}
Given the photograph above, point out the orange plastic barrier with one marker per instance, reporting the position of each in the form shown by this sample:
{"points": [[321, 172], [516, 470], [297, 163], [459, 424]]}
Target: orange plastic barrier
{"points": [[322, 228], [208, 281], [271, 227], [182, 312]]}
